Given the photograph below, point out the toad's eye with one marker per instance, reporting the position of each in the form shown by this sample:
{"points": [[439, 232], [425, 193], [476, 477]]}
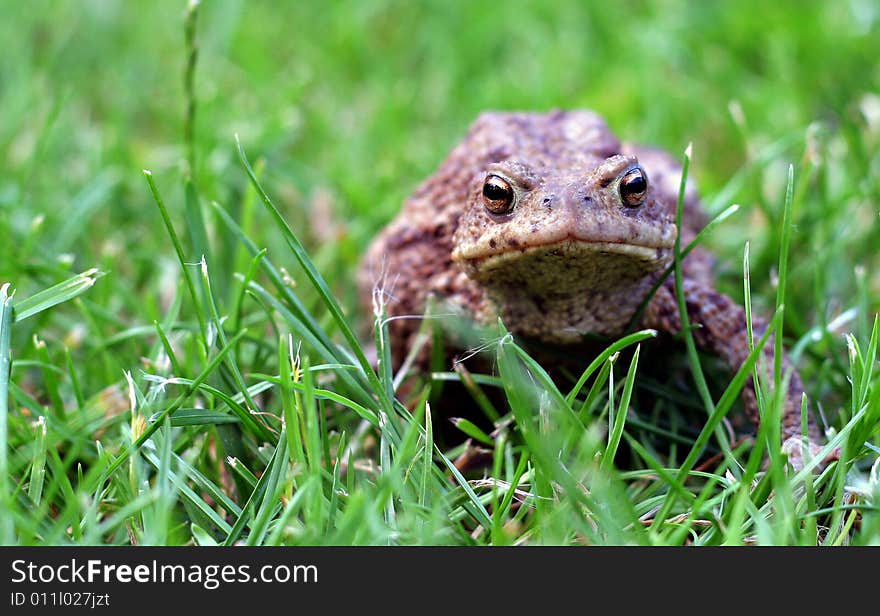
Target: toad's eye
{"points": [[497, 195], [634, 187]]}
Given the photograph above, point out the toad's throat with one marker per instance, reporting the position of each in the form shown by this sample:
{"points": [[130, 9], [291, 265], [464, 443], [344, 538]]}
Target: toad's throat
{"points": [[562, 291]]}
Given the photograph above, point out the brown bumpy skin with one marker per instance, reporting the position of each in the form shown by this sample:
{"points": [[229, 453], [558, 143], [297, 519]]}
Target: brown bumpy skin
{"points": [[549, 222]]}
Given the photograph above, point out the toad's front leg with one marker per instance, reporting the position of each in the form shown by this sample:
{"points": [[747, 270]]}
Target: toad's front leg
{"points": [[719, 326]]}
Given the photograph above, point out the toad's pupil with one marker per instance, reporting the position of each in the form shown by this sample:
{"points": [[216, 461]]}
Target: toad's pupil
{"points": [[496, 190], [633, 187], [497, 195], [637, 184]]}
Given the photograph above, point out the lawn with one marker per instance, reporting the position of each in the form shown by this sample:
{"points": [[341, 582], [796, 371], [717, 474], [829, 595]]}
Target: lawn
{"points": [[185, 196]]}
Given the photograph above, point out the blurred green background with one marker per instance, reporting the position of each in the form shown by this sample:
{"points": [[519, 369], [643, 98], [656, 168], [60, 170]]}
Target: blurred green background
{"points": [[351, 104]]}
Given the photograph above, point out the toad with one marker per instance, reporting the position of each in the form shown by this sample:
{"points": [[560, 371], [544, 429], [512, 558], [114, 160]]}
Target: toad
{"points": [[549, 222]]}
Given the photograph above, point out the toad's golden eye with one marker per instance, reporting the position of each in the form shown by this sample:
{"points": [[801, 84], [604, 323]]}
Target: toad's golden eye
{"points": [[497, 195], [634, 187]]}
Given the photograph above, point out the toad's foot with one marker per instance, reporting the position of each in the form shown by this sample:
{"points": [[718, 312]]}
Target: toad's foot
{"points": [[801, 452]]}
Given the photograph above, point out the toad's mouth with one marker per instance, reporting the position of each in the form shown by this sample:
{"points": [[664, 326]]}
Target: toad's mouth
{"points": [[571, 252]]}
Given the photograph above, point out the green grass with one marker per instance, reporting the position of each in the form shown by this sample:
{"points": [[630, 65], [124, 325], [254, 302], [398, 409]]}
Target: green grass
{"points": [[183, 357]]}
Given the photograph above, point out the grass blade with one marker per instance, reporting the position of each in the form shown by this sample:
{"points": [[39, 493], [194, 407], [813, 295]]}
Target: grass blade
{"points": [[600, 359], [38, 466], [317, 281], [620, 415], [57, 294], [7, 535]]}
